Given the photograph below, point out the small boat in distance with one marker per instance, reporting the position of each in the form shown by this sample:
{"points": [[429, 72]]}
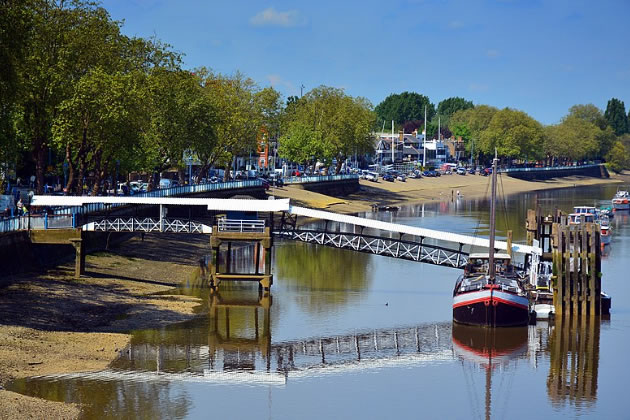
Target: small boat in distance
{"points": [[490, 293], [621, 200]]}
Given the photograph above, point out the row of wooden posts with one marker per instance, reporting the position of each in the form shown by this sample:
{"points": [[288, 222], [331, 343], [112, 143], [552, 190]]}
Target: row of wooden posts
{"points": [[575, 251]]}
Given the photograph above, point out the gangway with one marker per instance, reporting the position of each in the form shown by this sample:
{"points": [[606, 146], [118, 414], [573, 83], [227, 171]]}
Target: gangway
{"points": [[403, 241]]}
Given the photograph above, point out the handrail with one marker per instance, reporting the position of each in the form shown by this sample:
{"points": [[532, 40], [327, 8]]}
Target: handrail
{"points": [[237, 225], [166, 192], [548, 168], [318, 178]]}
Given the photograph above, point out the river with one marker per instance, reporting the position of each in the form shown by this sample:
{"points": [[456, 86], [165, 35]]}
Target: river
{"points": [[350, 335]]}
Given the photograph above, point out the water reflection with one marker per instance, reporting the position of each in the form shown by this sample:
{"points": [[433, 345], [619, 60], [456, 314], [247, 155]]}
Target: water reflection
{"points": [[574, 364], [488, 348], [330, 277]]}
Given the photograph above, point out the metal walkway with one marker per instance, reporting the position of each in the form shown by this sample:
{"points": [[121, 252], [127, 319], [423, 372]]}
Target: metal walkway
{"points": [[381, 238]]}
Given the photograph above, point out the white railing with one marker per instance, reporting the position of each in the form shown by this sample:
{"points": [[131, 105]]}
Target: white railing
{"points": [[245, 226], [319, 178], [166, 192]]}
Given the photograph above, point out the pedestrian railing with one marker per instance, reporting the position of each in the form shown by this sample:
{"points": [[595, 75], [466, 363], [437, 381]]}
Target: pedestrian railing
{"points": [[319, 178], [244, 226], [166, 192], [37, 222], [548, 168]]}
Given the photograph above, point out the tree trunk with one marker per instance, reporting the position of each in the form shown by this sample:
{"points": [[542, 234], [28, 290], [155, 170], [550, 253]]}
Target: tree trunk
{"points": [[71, 169], [340, 160], [40, 164], [97, 172]]}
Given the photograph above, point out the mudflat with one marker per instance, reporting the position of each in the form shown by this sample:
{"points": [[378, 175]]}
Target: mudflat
{"points": [[416, 191], [52, 323]]}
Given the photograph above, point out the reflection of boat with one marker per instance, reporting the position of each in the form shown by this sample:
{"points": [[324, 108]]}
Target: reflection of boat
{"points": [[489, 348], [621, 200], [490, 292], [606, 231]]}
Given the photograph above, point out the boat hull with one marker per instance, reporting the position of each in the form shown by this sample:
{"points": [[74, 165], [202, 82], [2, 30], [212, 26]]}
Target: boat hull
{"points": [[621, 204], [491, 308]]}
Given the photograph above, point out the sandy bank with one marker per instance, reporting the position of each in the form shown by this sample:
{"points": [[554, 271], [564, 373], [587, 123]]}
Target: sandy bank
{"points": [[51, 323], [414, 191]]}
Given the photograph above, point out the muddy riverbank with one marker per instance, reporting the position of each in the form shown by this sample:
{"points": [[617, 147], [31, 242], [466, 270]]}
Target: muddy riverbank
{"points": [[52, 323], [416, 191]]}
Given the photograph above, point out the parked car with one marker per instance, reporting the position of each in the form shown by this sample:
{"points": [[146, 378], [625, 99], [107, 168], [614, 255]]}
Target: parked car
{"points": [[471, 171], [388, 177], [371, 176], [401, 178], [487, 171], [461, 171]]}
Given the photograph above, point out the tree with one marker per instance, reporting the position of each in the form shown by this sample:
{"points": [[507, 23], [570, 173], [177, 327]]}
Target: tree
{"points": [[514, 134], [403, 107], [238, 115], [616, 116], [301, 143], [102, 120], [449, 106], [340, 124], [619, 157], [574, 139], [589, 113], [15, 19], [472, 122]]}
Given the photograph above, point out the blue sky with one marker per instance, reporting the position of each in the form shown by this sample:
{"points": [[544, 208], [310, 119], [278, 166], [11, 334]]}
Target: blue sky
{"points": [[537, 56]]}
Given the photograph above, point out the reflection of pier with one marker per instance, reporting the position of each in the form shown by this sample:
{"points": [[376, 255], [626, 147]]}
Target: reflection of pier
{"points": [[574, 349]]}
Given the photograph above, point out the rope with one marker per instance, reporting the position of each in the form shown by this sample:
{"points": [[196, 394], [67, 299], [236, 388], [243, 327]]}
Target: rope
{"points": [[476, 231]]}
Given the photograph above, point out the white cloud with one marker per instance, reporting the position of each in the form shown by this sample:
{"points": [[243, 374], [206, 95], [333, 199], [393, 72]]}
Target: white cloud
{"points": [[477, 87], [493, 53], [272, 17]]}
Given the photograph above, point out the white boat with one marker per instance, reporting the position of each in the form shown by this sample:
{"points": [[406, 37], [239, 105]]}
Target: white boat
{"points": [[621, 200]]}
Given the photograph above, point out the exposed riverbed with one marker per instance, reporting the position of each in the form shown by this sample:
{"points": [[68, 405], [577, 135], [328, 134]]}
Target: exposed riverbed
{"points": [[354, 335]]}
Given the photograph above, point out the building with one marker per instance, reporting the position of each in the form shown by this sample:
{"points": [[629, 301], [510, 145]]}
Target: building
{"points": [[409, 148]]}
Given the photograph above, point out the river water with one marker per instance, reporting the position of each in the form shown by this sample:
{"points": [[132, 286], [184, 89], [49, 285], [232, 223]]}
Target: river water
{"points": [[350, 335]]}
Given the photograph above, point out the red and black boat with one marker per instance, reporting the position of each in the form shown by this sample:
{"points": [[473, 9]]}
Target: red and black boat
{"points": [[490, 293]]}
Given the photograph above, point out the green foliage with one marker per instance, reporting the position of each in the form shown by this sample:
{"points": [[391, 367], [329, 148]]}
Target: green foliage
{"points": [[449, 106], [403, 107], [574, 138], [514, 134], [616, 116], [339, 124], [619, 157], [589, 113], [301, 143]]}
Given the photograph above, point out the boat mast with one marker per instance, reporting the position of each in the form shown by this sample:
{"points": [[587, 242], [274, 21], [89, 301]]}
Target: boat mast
{"points": [[492, 268]]}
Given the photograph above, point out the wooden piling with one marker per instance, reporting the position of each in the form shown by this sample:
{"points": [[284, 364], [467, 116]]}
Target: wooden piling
{"points": [[575, 252]]}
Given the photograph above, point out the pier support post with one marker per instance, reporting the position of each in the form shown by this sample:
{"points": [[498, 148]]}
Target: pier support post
{"points": [[79, 264]]}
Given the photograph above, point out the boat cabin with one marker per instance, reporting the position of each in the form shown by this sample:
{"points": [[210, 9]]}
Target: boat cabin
{"points": [[478, 263], [576, 218], [585, 210]]}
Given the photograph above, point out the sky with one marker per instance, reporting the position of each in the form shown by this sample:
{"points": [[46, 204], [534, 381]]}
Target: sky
{"points": [[538, 56]]}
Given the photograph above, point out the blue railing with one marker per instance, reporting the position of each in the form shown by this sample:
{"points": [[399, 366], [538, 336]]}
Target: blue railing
{"points": [[166, 192], [38, 222], [320, 178]]}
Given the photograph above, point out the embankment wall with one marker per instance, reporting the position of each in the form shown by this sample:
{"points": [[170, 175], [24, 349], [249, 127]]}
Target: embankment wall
{"points": [[544, 173]]}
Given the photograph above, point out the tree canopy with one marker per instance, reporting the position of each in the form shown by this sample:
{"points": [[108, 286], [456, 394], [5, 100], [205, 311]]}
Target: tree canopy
{"points": [[328, 124], [616, 116], [404, 107]]}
